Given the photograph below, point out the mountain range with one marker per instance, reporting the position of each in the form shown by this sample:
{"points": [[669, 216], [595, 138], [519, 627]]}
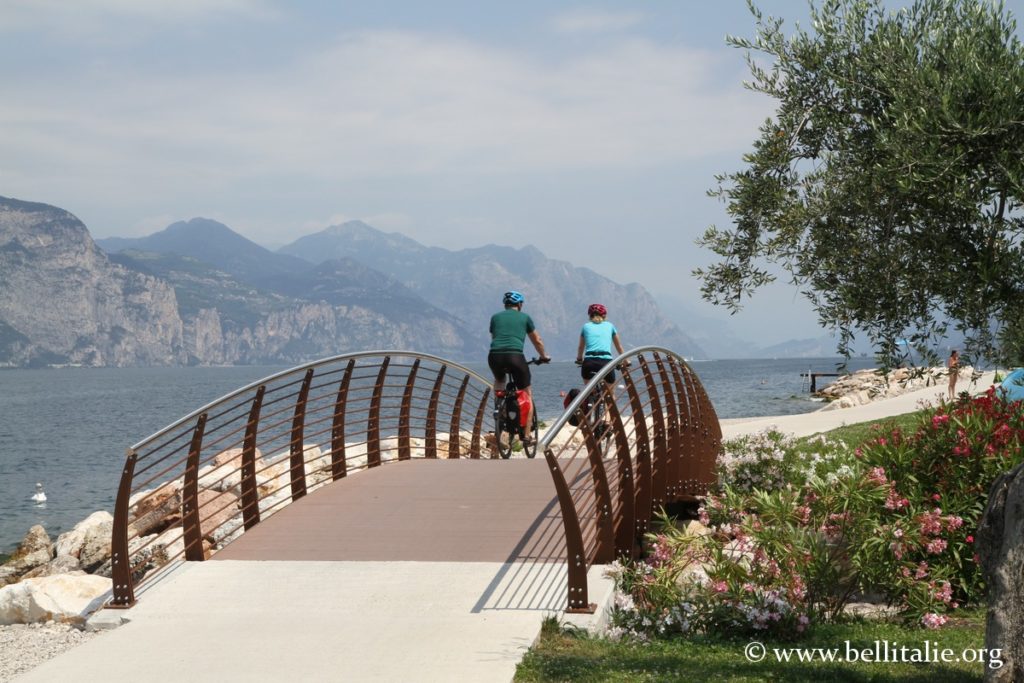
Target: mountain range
{"points": [[199, 293]]}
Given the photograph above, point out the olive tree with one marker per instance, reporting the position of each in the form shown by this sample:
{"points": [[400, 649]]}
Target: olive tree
{"points": [[888, 183]]}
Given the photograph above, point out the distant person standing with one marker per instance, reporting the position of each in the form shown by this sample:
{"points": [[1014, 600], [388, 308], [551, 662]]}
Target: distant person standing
{"points": [[596, 340], [953, 366]]}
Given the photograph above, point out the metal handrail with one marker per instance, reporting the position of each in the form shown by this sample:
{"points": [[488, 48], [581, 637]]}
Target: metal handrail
{"points": [[271, 422], [283, 373], [647, 464]]}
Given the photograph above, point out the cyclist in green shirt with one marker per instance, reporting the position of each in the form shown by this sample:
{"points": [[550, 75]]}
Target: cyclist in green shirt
{"points": [[509, 330]]}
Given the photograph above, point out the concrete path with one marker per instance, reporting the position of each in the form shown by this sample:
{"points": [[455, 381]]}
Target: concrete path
{"points": [[806, 424], [328, 621]]}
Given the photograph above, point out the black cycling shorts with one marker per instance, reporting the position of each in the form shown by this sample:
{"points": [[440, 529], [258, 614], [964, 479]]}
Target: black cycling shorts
{"points": [[509, 363], [592, 365]]}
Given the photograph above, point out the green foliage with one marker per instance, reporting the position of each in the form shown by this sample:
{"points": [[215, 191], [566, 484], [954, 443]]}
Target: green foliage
{"points": [[770, 459], [893, 517], [889, 182], [576, 657]]}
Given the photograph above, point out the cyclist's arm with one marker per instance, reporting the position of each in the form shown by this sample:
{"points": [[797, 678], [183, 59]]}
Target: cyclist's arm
{"points": [[579, 351], [618, 344], [537, 342]]}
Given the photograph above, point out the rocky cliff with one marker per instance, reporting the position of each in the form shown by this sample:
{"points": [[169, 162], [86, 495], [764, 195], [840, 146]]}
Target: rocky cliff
{"points": [[63, 301]]}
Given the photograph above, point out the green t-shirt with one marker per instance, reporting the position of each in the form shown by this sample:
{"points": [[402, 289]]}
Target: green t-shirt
{"points": [[509, 329]]}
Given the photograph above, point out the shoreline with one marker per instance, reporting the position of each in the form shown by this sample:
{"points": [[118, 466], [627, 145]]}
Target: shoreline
{"points": [[807, 424]]}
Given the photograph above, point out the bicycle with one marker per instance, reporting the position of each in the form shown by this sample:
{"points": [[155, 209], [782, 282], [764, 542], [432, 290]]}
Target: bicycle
{"points": [[593, 409], [509, 419]]}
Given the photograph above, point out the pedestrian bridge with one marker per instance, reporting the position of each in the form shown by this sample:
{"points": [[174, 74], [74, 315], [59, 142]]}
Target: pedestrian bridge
{"points": [[386, 456]]}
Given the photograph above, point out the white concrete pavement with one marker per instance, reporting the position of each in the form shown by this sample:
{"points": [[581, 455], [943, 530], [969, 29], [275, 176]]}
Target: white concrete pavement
{"points": [[329, 621], [806, 424]]}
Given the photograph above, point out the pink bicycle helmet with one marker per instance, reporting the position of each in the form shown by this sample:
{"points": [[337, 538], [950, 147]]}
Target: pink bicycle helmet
{"points": [[597, 309]]}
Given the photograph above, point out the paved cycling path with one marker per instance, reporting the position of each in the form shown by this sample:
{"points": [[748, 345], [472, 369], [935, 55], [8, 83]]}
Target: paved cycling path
{"points": [[426, 570]]}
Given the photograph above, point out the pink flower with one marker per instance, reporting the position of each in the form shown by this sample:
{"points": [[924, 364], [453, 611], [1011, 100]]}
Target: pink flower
{"points": [[970, 539], [943, 592], [720, 587], [939, 420], [922, 571], [803, 514], [936, 497], [954, 522], [936, 546], [702, 516], [876, 475], [933, 620]]}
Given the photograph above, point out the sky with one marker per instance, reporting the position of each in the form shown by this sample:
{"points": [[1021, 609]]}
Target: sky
{"points": [[589, 130]]}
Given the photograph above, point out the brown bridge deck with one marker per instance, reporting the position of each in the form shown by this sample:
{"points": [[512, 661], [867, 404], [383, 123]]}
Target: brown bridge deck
{"points": [[426, 510]]}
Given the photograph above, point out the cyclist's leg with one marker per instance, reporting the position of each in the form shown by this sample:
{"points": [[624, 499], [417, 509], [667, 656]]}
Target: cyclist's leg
{"points": [[496, 362], [520, 371]]}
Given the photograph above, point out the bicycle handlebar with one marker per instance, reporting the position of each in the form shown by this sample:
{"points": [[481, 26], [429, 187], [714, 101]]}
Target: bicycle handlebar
{"points": [[538, 361]]}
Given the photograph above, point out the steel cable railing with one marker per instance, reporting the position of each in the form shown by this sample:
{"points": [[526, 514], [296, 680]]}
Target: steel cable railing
{"points": [[629, 453], [194, 486]]}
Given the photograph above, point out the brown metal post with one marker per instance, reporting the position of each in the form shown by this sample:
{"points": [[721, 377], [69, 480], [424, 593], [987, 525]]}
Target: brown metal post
{"points": [[338, 466], [193, 532], [404, 435], [605, 550], [688, 461], [250, 494], [454, 433], [474, 445], [673, 439], [576, 564], [644, 476], [121, 561], [659, 467], [435, 395], [625, 522], [373, 421], [297, 462]]}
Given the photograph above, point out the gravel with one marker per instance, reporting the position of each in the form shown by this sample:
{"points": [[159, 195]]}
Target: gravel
{"points": [[26, 646]]}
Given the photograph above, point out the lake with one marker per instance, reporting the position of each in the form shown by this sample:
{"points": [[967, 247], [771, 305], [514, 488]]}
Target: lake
{"points": [[69, 428]]}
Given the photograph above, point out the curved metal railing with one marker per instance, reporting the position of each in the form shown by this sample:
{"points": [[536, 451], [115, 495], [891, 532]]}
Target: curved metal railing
{"points": [[192, 487], [655, 444]]}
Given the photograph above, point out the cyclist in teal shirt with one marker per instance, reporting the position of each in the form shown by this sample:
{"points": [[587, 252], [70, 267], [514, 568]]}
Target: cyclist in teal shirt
{"points": [[596, 340], [509, 330]]}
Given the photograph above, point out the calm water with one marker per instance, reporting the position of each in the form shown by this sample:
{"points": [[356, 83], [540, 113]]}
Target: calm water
{"points": [[69, 428]]}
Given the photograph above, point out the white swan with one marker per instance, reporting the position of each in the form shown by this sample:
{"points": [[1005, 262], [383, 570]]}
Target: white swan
{"points": [[39, 496]]}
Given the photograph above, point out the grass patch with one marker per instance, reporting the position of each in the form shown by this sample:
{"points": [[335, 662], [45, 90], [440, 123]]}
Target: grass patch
{"points": [[568, 655], [862, 431]]}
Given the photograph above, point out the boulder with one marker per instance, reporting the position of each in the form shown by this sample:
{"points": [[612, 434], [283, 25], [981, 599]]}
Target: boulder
{"points": [[61, 598], [70, 542], [216, 510], [62, 564], [34, 550], [1000, 546], [156, 510], [233, 457], [96, 547]]}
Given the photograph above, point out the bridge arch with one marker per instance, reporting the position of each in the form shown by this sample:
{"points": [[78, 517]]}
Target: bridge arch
{"points": [[196, 485]]}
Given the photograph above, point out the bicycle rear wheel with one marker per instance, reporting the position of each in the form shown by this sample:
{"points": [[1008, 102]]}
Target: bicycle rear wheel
{"points": [[502, 434]]}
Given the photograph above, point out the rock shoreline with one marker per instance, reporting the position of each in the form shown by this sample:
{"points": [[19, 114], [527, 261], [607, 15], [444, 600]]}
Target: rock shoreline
{"points": [[866, 386]]}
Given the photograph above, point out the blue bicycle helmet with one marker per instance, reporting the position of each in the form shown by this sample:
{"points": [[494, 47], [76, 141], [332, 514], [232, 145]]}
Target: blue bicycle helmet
{"points": [[513, 298]]}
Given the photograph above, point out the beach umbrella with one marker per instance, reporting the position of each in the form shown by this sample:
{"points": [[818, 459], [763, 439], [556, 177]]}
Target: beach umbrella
{"points": [[1012, 387]]}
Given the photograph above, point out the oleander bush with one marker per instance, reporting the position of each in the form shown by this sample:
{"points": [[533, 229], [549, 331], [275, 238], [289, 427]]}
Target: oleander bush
{"points": [[791, 539]]}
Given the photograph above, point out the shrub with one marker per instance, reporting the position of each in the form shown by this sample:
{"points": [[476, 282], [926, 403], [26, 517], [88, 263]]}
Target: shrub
{"points": [[894, 517]]}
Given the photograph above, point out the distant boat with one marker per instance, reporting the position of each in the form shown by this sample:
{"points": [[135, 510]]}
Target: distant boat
{"points": [[39, 496]]}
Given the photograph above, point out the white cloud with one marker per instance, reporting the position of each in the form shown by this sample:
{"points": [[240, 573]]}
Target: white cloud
{"points": [[400, 106], [87, 16], [594, 21]]}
